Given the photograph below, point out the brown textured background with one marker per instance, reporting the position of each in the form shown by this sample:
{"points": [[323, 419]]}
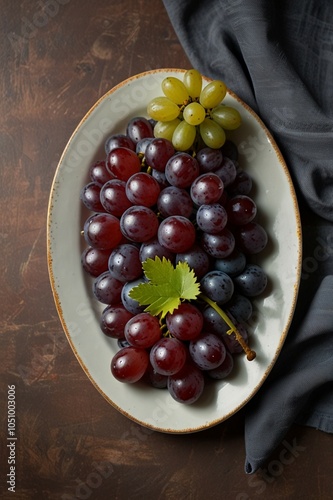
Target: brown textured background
{"points": [[57, 58]]}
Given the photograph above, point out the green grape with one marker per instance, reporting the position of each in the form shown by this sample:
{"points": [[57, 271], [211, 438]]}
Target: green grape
{"points": [[193, 82], [194, 113], [162, 109], [212, 134], [183, 136], [175, 90], [213, 94], [227, 117], [165, 130]]}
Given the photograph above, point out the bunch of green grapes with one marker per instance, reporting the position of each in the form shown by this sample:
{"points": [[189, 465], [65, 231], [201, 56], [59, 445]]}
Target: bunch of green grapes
{"points": [[187, 112]]}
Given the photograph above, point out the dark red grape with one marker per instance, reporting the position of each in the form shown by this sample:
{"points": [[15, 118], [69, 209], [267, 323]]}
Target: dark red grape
{"points": [[113, 197], [102, 231], [129, 364], [139, 128], [122, 163], [107, 289], [251, 238], [99, 173], [207, 188], [118, 141], [241, 209], [158, 152], [113, 321], [139, 223], [187, 385], [181, 170], [90, 197], [176, 233], [185, 322], [207, 351], [142, 189], [95, 261], [168, 356], [143, 330]]}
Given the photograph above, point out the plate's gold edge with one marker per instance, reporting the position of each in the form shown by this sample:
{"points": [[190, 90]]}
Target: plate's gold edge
{"points": [[296, 285]]}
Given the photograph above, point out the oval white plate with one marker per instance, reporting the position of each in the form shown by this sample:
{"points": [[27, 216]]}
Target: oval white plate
{"points": [[79, 312]]}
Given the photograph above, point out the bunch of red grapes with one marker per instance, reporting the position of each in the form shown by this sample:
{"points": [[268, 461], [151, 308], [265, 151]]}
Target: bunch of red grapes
{"points": [[149, 200]]}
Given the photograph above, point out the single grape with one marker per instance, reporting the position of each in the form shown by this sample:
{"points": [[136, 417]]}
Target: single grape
{"points": [[217, 286], [168, 356], [102, 231], [129, 364], [211, 218], [240, 307], [207, 351], [196, 258], [241, 209], [212, 94], [142, 189], [162, 109], [227, 171], [99, 173], [233, 264], [187, 385], [139, 128], [227, 117], [113, 321], [175, 90], [181, 170], [224, 369], [183, 136], [212, 134], [124, 263], [176, 233], [185, 322], [194, 113], [152, 248], [158, 152], [174, 201], [118, 141], [252, 281], [193, 82], [107, 289], [139, 223], [219, 245], [209, 159], [251, 238], [143, 330], [122, 163], [206, 189], [113, 197], [90, 197], [95, 261]]}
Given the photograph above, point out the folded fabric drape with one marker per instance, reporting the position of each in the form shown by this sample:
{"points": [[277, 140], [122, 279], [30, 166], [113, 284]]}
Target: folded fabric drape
{"points": [[277, 56]]}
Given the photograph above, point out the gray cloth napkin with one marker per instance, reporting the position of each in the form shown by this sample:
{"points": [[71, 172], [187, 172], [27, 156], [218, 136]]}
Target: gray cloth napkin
{"points": [[277, 55]]}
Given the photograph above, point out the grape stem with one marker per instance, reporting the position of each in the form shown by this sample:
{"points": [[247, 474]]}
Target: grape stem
{"points": [[250, 354]]}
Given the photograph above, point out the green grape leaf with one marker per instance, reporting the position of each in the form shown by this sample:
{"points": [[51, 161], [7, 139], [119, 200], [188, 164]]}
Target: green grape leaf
{"points": [[166, 287]]}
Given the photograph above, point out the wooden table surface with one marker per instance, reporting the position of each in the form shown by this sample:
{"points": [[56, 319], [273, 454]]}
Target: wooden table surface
{"points": [[57, 58]]}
